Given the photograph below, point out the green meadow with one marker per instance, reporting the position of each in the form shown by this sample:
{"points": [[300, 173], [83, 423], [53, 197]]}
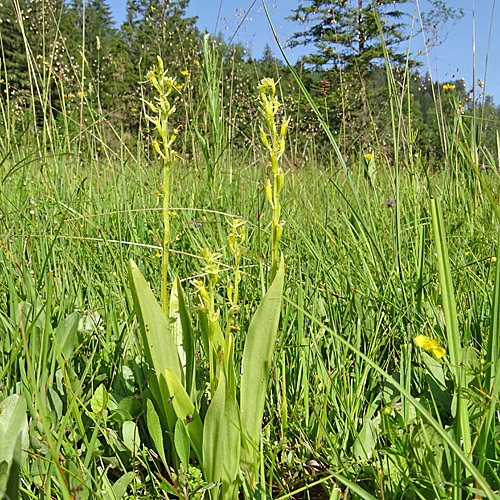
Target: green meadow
{"points": [[224, 280]]}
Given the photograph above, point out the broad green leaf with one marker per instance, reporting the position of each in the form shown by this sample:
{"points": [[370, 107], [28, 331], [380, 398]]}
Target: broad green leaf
{"points": [[366, 439], [99, 399], [182, 331], [427, 446], [106, 489], [55, 401], [13, 430], [155, 430], [160, 346], [185, 411], [213, 434], [182, 443], [79, 481], [231, 442], [120, 487], [256, 362], [130, 434], [436, 381], [67, 334], [12, 490]]}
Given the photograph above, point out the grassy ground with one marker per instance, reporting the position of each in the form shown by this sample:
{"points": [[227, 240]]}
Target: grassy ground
{"points": [[361, 268]]}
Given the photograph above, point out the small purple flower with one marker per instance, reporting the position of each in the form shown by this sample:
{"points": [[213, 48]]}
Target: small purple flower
{"points": [[389, 203], [196, 224]]}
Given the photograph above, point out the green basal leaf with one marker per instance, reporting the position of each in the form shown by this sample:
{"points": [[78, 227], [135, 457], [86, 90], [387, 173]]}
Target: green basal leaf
{"points": [[159, 344], [213, 434], [155, 430], [182, 443], [185, 411], [256, 364]]}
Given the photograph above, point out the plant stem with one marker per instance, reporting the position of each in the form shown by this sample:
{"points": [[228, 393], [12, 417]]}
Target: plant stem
{"points": [[166, 237]]}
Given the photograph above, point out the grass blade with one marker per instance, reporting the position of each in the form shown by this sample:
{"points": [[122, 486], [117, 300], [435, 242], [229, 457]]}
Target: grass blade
{"points": [[450, 314]]}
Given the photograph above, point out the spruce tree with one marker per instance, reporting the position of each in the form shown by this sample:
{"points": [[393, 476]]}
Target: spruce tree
{"points": [[158, 27], [14, 76], [346, 32], [99, 36], [349, 41]]}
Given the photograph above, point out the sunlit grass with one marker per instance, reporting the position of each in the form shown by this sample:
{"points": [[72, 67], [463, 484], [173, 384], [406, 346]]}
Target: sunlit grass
{"points": [[383, 382]]}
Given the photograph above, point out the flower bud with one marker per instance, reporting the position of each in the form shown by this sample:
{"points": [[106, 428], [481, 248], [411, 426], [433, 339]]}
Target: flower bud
{"points": [[263, 138], [279, 229], [281, 180], [157, 149], [283, 129], [269, 192]]}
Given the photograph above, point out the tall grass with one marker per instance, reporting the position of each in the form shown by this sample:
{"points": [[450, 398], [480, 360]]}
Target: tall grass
{"points": [[377, 254]]}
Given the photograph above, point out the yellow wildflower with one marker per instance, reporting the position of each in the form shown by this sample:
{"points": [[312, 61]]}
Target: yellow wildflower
{"points": [[157, 255], [81, 94], [447, 86], [134, 110], [368, 156], [178, 86], [493, 259], [197, 63], [430, 344], [185, 73]]}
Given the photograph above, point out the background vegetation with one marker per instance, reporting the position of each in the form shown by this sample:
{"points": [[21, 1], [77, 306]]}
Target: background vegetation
{"points": [[390, 221]]}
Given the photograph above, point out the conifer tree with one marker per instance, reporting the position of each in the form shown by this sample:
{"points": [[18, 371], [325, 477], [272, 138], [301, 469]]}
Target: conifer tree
{"points": [[158, 27], [14, 69], [99, 36], [350, 39], [345, 32], [349, 32]]}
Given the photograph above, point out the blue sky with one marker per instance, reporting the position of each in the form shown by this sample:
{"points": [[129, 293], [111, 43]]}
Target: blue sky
{"points": [[453, 58]]}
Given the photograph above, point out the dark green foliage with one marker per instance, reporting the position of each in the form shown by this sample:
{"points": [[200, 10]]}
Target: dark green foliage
{"points": [[154, 27], [346, 33], [14, 71], [345, 73]]}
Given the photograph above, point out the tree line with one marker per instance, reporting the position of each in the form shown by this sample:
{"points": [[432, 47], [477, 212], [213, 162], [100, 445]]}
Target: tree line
{"points": [[65, 64]]}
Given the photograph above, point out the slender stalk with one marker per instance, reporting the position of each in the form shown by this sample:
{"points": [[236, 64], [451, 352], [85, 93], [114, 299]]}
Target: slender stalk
{"points": [[166, 238], [276, 148], [161, 111]]}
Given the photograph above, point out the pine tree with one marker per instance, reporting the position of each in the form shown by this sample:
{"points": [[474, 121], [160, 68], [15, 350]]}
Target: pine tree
{"points": [[346, 32], [350, 39], [99, 37], [158, 27], [14, 69], [268, 64]]}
